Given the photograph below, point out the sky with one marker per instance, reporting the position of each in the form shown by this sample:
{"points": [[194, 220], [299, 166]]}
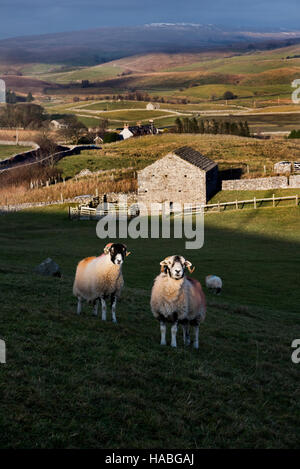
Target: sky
{"points": [[27, 17]]}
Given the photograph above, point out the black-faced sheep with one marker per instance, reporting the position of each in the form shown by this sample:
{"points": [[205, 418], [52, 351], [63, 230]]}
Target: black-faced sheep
{"points": [[99, 278], [214, 283], [177, 299]]}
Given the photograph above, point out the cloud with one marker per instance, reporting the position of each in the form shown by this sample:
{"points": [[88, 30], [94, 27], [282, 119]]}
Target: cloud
{"points": [[19, 17]]}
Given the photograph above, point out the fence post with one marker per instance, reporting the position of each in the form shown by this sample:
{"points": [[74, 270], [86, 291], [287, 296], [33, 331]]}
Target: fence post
{"points": [[254, 200], [236, 205], [273, 200], [297, 200], [219, 207]]}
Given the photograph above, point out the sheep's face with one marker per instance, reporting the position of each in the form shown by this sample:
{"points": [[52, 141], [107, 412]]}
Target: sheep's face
{"points": [[174, 266], [117, 253]]}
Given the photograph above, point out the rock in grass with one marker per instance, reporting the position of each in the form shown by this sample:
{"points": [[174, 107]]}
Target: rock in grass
{"points": [[48, 267]]}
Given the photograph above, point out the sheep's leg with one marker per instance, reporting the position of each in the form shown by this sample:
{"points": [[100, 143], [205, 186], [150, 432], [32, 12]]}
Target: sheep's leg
{"points": [[196, 341], [173, 334], [96, 304], [163, 329], [103, 305], [186, 334], [113, 308], [79, 304]]}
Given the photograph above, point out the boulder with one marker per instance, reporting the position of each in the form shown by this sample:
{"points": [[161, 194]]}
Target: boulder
{"points": [[48, 267]]}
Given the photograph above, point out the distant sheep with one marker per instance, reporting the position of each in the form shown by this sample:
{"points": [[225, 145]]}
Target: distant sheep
{"points": [[214, 283], [101, 278], [177, 299]]}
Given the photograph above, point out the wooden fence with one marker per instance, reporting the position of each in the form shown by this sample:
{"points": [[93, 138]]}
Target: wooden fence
{"points": [[87, 213]]}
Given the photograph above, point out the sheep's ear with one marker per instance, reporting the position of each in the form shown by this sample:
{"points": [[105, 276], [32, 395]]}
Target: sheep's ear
{"points": [[162, 265], [190, 267], [127, 253]]}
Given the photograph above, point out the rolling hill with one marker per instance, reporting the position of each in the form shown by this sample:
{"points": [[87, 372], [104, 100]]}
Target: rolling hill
{"points": [[95, 46]]}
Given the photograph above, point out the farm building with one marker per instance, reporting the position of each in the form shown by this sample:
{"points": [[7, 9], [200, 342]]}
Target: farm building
{"points": [[182, 176], [138, 130], [152, 106], [58, 124]]}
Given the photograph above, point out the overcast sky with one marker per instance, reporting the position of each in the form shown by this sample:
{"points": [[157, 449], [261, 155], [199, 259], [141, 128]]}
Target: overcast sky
{"points": [[26, 17]]}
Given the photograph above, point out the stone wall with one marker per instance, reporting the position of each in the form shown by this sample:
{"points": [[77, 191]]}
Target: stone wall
{"points": [[274, 182], [171, 179], [33, 156], [294, 181]]}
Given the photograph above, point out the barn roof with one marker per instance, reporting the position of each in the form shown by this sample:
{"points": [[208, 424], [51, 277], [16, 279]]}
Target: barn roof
{"points": [[195, 157]]}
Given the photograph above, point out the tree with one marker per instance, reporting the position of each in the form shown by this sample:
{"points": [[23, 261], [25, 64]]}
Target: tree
{"points": [[110, 137], [47, 147], [103, 125], [294, 134], [11, 97], [194, 126], [29, 98], [74, 129], [179, 125], [22, 115], [229, 95]]}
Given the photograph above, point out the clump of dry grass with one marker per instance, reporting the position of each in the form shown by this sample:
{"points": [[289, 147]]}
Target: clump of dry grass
{"points": [[19, 193], [23, 135]]}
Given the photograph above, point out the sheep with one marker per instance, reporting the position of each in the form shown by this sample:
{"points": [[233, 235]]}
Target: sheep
{"points": [[214, 283], [177, 299], [101, 277]]}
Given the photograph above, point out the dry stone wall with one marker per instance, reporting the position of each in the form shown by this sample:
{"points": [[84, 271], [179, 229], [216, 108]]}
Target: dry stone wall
{"points": [[274, 182]]}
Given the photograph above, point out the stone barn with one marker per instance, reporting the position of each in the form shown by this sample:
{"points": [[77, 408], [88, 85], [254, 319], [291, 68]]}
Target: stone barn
{"points": [[182, 176]]}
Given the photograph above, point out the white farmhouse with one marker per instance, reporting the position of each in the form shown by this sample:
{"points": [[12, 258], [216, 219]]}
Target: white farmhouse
{"points": [[126, 133], [152, 106], [58, 124]]}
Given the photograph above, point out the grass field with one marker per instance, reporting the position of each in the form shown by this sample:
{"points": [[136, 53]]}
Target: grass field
{"points": [[88, 160], [10, 150], [112, 105], [229, 151], [76, 382], [132, 115]]}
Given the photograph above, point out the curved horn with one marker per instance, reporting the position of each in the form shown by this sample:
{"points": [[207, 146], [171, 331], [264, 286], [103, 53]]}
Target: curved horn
{"points": [[107, 248], [163, 264], [189, 266]]}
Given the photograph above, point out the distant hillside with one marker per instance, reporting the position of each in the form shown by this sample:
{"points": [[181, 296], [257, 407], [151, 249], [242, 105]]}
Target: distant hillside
{"points": [[95, 46]]}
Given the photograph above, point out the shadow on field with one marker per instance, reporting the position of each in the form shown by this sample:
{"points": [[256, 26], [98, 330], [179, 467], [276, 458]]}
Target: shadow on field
{"points": [[77, 382]]}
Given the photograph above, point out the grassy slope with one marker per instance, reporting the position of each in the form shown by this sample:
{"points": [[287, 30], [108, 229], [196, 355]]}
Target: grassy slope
{"points": [[228, 151], [9, 150], [132, 115], [112, 105], [263, 75], [76, 382], [94, 162]]}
